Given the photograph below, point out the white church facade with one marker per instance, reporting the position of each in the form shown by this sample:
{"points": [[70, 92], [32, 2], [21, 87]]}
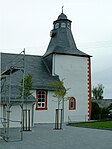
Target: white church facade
{"points": [[62, 61]]}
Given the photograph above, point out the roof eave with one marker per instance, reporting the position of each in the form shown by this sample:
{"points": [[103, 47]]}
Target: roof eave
{"points": [[86, 55]]}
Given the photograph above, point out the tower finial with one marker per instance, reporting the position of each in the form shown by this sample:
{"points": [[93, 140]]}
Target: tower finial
{"points": [[62, 8]]}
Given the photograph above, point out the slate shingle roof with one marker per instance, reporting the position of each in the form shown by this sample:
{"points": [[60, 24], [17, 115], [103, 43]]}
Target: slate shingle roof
{"points": [[34, 65], [63, 42], [41, 66], [62, 16]]}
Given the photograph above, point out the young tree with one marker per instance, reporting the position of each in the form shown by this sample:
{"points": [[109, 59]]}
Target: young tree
{"points": [[98, 92], [26, 86], [60, 91], [25, 92]]}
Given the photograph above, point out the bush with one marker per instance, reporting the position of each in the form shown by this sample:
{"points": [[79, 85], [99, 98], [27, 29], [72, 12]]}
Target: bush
{"points": [[95, 111], [99, 113], [104, 113]]}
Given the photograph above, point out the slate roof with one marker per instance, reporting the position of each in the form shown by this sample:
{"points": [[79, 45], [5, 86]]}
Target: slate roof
{"points": [[40, 66], [103, 103], [63, 42], [34, 65], [62, 16]]}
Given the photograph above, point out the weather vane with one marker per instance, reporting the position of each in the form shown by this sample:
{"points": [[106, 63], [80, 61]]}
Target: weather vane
{"points": [[62, 8]]}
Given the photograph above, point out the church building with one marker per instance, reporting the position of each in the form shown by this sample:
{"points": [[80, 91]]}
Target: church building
{"points": [[61, 61]]}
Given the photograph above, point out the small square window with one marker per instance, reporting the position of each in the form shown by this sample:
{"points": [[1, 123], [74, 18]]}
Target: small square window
{"points": [[39, 99], [39, 104], [43, 100], [43, 96], [39, 96], [43, 104]]}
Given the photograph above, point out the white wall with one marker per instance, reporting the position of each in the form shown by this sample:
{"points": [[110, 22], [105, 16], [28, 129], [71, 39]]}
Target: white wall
{"points": [[1, 116], [46, 116], [74, 71], [16, 115]]}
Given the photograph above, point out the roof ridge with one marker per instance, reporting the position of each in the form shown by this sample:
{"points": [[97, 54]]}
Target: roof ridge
{"points": [[18, 54]]}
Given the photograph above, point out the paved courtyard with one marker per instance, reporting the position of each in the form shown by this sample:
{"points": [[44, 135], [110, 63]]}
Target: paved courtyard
{"points": [[44, 137]]}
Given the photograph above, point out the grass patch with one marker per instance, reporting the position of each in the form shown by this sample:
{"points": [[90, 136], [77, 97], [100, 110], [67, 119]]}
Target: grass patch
{"points": [[96, 124]]}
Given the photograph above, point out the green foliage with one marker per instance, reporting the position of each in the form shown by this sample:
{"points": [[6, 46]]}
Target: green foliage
{"points": [[104, 113], [98, 92], [61, 91], [99, 113], [27, 86], [98, 124], [95, 111]]}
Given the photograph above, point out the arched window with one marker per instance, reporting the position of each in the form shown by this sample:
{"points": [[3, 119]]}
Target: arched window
{"points": [[63, 25], [72, 103], [56, 25], [68, 25], [41, 97]]}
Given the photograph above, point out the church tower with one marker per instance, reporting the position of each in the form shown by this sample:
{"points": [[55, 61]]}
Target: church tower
{"points": [[74, 66]]}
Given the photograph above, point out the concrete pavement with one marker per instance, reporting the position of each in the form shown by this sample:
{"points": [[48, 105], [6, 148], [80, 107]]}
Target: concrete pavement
{"points": [[43, 136]]}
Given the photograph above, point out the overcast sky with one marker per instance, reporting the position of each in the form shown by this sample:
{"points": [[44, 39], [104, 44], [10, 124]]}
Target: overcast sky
{"points": [[27, 23]]}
